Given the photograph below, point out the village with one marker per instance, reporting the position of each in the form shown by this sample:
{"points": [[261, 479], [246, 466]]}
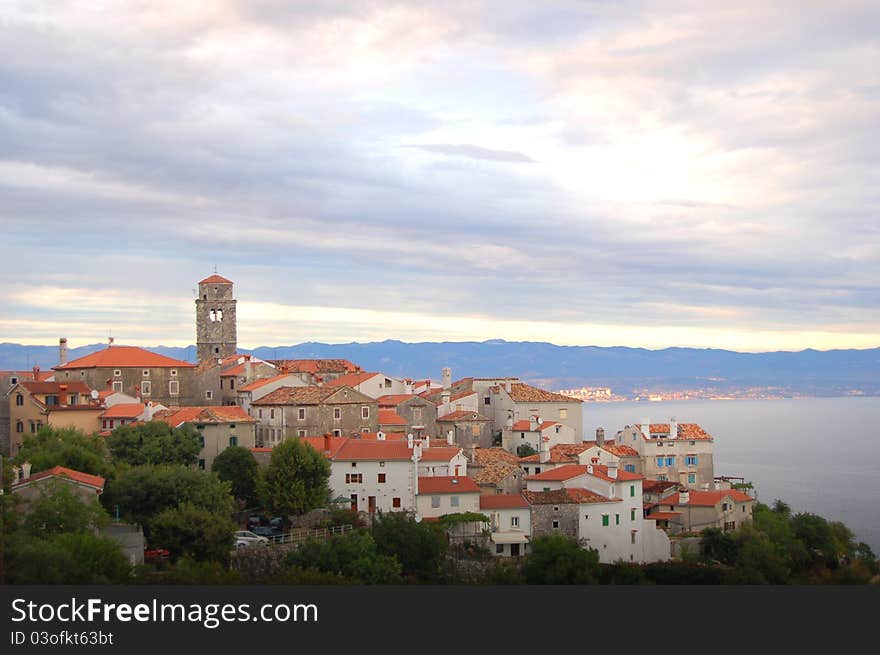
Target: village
{"points": [[510, 454]]}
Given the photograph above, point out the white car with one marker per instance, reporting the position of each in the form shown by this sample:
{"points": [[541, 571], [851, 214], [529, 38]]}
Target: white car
{"points": [[245, 538]]}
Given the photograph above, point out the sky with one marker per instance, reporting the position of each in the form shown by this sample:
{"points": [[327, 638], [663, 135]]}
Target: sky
{"points": [[584, 173]]}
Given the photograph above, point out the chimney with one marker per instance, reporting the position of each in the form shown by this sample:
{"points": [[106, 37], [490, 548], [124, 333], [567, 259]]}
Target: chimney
{"points": [[600, 436], [444, 399], [109, 341], [544, 452], [684, 496], [409, 440], [407, 387], [248, 371], [646, 428], [327, 441], [447, 377], [36, 371], [450, 438], [62, 351], [380, 436], [25, 470], [510, 420], [612, 470], [673, 429], [319, 380], [427, 442], [507, 386], [533, 423]]}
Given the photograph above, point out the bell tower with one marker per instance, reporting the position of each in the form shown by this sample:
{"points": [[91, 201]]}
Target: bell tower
{"points": [[215, 319]]}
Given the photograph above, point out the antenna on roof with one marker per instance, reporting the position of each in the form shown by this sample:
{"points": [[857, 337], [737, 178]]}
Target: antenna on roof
{"points": [[215, 268]]}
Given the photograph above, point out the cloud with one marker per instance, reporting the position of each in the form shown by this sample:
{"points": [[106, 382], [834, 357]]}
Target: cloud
{"points": [[474, 152]]}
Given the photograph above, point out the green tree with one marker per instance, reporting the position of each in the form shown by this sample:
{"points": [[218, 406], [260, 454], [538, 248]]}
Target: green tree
{"points": [[352, 555], [144, 491], [192, 531], [155, 442], [237, 466], [418, 546], [525, 450], [296, 480], [69, 558], [557, 559], [66, 447], [59, 509]]}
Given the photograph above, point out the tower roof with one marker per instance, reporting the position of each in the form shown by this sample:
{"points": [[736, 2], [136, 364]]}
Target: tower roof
{"points": [[215, 279]]}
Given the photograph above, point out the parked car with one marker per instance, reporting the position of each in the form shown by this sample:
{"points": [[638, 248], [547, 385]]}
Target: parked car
{"points": [[265, 531], [244, 538]]}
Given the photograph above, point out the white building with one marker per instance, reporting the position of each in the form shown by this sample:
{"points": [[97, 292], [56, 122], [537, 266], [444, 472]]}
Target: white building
{"points": [[373, 385], [510, 523], [537, 434], [678, 452]]}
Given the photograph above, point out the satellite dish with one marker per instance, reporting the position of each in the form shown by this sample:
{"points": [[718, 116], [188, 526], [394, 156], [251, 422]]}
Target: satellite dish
{"points": [[95, 394]]}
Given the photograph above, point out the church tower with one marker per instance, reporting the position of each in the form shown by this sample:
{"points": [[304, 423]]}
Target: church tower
{"points": [[215, 319]]}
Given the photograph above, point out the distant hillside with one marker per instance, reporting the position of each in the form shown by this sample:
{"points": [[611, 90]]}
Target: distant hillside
{"points": [[833, 372]]}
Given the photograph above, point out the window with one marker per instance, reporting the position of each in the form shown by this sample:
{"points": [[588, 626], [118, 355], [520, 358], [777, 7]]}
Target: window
{"points": [[630, 468], [632, 515], [202, 440], [632, 490], [605, 520], [117, 386], [691, 460], [417, 415], [514, 521], [454, 501], [662, 478], [337, 413], [233, 440], [632, 538], [381, 478], [13, 381], [173, 387], [555, 525], [556, 508], [546, 488], [563, 413], [395, 502], [670, 461], [146, 373], [499, 549], [202, 464], [537, 470], [617, 519], [301, 414], [659, 461], [145, 388], [300, 433], [692, 478], [19, 426], [526, 469], [487, 400], [435, 501], [261, 413], [337, 433], [381, 463], [209, 395], [19, 399], [232, 383], [271, 413], [365, 412], [354, 478], [174, 372], [117, 373]]}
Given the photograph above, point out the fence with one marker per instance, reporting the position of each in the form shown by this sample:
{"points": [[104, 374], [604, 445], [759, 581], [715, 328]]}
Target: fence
{"points": [[298, 536]]}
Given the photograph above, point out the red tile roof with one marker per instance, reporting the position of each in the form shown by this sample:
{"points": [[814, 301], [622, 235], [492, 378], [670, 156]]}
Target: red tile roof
{"points": [[315, 365], [213, 414], [124, 357], [526, 426], [686, 431], [621, 451], [503, 501], [61, 472], [663, 516], [568, 471], [297, 396], [351, 379], [124, 410], [390, 417], [215, 279], [256, 384], [522, 393], [484, 456], [445, 484], [393, 400], [52, 388], [363, 449], [463, 415], [563, 496], [320, 443], [707, 498]]}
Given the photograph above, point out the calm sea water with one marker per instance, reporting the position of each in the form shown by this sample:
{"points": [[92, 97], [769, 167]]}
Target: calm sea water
{"points": [[819, 455]]}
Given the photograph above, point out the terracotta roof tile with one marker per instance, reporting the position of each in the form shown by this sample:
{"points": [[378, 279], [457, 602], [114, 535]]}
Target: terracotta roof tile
{"points": [[315, 365], [52, 388], [707, 498], [444, 484], [124, 357], [297, 396], [124, 410], [522, 393], [213, 414], [484, 456], [568, 471], [503, 501], [492, 473], [565, 496], [686, 431], [256, 384], [393, 400], [463, 416], [63, 472], [215, 279], [390, 417]]}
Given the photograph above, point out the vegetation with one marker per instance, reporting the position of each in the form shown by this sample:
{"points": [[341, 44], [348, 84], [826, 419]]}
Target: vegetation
{"points": [[525, 450], [557, 559], [237, 466], [296, 480], [353, 555], [58, 510], [66, 447], [419, 547], [156, 443], [195, 532]]}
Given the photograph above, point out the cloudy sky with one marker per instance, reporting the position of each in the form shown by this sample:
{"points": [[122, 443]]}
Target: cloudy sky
{"points": [[608, 173]]}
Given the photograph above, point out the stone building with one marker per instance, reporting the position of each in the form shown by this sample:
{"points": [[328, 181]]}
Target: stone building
{"points": [[312, 411], [219, 427], [9, 379], [554, 511], [32, 405], [135, 371], [678, 452], [316, 371], [469, 429], [215, 319], [419, 415]]}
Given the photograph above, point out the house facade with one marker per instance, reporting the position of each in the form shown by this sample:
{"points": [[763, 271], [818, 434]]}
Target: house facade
{"points": [[218, 427], [678, 452]]}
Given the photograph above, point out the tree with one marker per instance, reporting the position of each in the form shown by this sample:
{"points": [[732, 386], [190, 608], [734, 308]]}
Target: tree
{"points": [[525, 450], [155, 442], [296, 479], [351, 555], [59, 509], [69, 558], [192, 531], [66, 447], [237, 466], [145, 491], [557, 559], [419, 547]]}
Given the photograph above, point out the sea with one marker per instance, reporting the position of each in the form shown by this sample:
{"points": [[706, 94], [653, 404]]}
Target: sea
{"points": [[819, 455]]}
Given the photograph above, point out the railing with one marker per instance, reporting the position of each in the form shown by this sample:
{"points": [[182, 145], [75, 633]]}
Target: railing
{"points": [[300, 536]]}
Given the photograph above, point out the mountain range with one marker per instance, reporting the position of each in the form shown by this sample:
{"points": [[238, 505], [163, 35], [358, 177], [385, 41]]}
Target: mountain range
{"points": [[806, 372]]}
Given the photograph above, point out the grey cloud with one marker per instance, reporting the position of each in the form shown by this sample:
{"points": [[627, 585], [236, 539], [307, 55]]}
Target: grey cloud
{"points": [[473, 152]]}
